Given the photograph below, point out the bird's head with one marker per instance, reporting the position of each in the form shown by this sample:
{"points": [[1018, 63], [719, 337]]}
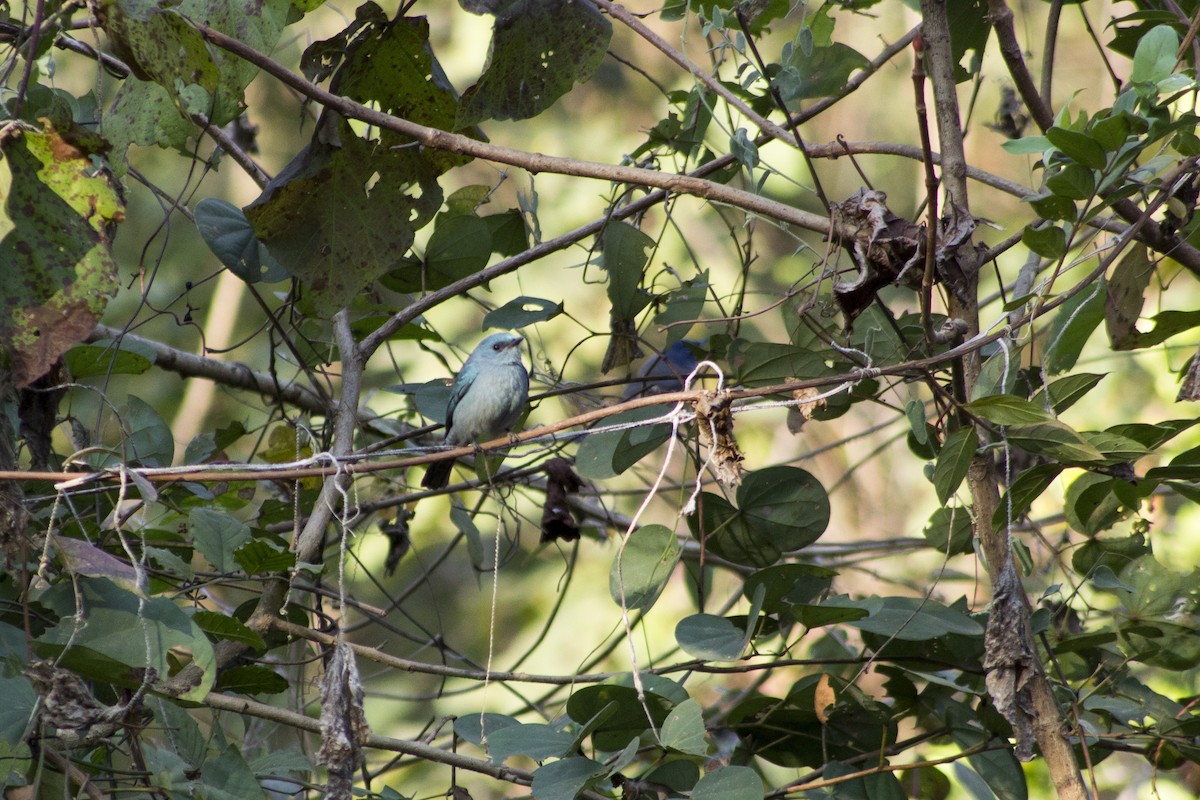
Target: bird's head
{"points": [[499, 348]]}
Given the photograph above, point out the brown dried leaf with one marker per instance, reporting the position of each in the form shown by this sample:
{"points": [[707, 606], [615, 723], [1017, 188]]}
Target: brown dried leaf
{"points": [[714, 422], [1009, 659], [803, 411], [1189, 385], [557, 521], [344, 728], [82, 558], [886, 249], [824, 698]]}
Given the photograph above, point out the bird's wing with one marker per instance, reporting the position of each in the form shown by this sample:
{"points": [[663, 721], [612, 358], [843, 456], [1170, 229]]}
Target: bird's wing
{"points": [[462, 385]]}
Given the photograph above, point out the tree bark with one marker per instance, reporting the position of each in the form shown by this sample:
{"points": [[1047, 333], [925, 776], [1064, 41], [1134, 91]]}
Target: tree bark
{"points": [[1037, 700]]}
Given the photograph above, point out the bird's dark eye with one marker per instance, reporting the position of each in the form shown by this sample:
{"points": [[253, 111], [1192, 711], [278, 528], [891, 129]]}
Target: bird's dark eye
{"points": [[497, 347]]}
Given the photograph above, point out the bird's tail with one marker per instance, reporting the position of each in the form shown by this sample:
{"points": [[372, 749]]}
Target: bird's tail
{"points": [[438, 474]]}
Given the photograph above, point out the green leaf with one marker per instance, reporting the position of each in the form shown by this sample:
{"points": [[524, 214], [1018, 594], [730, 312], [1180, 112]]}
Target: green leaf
{"points": [[953, 462], [821, 73], [683, 729], [786, 504], [603, 455], [626, 251], [228, 777], [743, 148], [1048, 241], [1079, 147], [1053, 207], [999, 373], [217, 536], [834, 610], [564, 779], [683, 305], [539, 50], [642, 568], [769, 363], [624, 716], [1126, 296], [1074, 181], [537, 741], [161, 45], [472, 728], [1054, 439], [1027, 145], [460, 246], [136, 632], [20, 704], [251, 679], [1026, 488], [1007, 409], [228, 233], [917, 619], [259, 557], [1156, 55], [1113, 553], [219, 626], [510, 234], [679, 775], [143, 113], [784, 585], [147, 439], [710, 638], [1116, 447], [109, 358], [1071, 327], [949, 530], [1104, 579], [520, 312], [346, 209], [729, 783], [337, 218], [55, 247], [1090, 505], [1066, 391]]}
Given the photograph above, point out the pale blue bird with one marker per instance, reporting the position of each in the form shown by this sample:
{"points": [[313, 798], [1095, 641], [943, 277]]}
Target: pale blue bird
{"points": [[488, 397]]}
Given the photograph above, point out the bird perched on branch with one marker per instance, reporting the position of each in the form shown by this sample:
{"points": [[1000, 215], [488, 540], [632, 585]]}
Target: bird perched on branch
{"points": [[665, 372], [488, 397]]}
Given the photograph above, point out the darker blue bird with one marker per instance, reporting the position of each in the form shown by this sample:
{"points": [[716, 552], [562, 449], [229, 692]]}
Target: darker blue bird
{"points": [[665, 372]]}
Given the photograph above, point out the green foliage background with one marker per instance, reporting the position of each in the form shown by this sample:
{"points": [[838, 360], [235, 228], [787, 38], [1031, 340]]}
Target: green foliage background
{"points": [[940, 550]]}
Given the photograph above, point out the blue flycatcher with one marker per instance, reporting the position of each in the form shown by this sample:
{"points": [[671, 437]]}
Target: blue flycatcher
{"points": [[488, 397], [665, 372]]}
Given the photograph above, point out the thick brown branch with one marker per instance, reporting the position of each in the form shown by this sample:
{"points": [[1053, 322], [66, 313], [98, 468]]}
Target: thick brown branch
{"points": [[534, 162], [226, 373]]}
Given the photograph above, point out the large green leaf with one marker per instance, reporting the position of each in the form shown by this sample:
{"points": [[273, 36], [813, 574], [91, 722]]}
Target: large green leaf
{"points": [[710, 637], [624, 716], [536, 740], [136, 632], [729, 783], [217, 536], [539, 50], [564, 779], [57, 270], [626, 251], [953, 462], [917, 619], [786, 504], [642, 568], [346, 209], [683, 729]]}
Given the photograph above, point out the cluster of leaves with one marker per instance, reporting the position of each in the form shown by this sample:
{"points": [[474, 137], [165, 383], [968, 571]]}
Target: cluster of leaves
{"points": [[134, 594]]}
